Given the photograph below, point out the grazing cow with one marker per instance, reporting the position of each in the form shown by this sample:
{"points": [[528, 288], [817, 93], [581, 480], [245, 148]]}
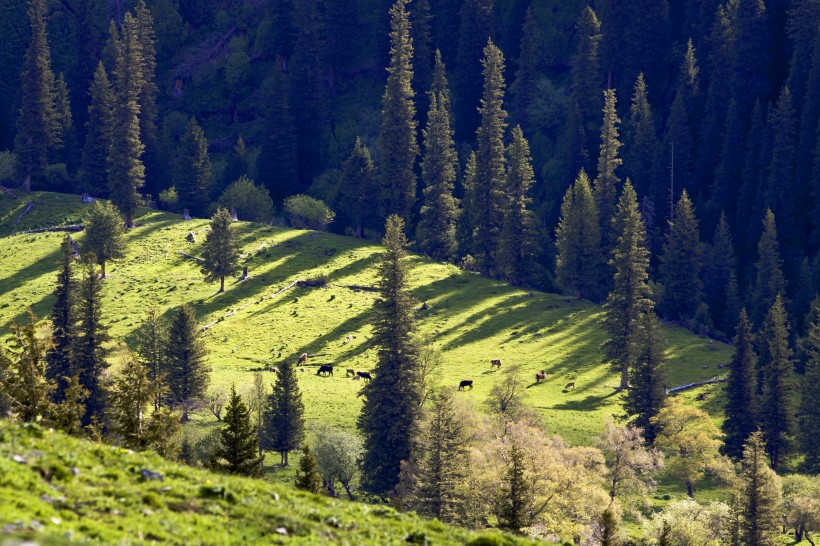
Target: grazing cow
{"points": [[325, 369], [350, 372], [570, 385], [302, 359], [495, 363], [540, 376], [365, 375], [348, 338], [465, 383], [274, 369]]}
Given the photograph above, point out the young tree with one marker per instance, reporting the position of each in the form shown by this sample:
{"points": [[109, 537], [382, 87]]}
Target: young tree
{"points": [[770, 280], [236, 452], [389, 416], [192, 170], [99, 131], [308, 477], [397, 140], [631, 296], [338, 453], [606, 183], [513, 495], [759, 494], [152, 349], [518, 245], [65, 138], [718, 266], [284, 417], [188, 372], [690, 441], [104, 234], [630, 463], [641, 146], [220, 251], [580, 262], [67, 415], [507, 393], [681, 263], [645, 397], [23, 380], [63, 322], [90, 351], [809, 403], [357, 184], [37, 123], [741, 390]]}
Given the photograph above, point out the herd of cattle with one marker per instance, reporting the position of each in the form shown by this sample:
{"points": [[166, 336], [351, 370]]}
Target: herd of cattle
{"points": [[326, 370]]}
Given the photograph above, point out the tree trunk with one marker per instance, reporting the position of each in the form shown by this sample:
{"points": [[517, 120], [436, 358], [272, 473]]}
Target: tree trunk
{"points": [[347, 489], [102, 270], [26, 185], [624, 378], [129, 220], [690, 490], [221, 284]]}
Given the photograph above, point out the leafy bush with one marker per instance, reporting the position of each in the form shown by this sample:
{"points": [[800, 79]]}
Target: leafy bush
{"points": [[305, 212], [250, 201], [169, 199]]}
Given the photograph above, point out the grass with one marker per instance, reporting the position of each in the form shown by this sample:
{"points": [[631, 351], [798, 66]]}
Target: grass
{"points": [[473, 319]]}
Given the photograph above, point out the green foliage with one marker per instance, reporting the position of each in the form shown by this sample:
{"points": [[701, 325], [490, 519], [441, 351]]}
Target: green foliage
{"points": [[512, 498], [770, 280], [67, 414], [220, 251], [305, 212], [741, 390], [759, 495], [686, 521], [251, 202], [236, 452], [586, 73], [63, 321], [284, 414], [357, 184], [646, 378], [338, 453], [681, 262], [169, 199], [130, 394], [152, 348], [188, 373], [192, 170], [307, 477], [641, 146], [99, 132], [810, 405], [277, 163], [104, 233], [608, 162], [23, 381], [718, 266]]}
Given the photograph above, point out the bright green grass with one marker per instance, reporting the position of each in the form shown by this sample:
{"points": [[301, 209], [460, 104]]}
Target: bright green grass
{"points": [[474, 319], [67, 490]]}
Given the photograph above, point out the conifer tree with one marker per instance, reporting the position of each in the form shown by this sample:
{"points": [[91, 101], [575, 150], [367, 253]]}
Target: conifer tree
{"points": [[728, 173], [605, 187], [647, 381], [512, 502], [397, 140], [468, 218], [192, 170], [220, 251], [308, 477], [90, 351], [236, 452], [284, 31], [733, 305], [681, 262], [641, 146], [147, 39], [99, 131], [475, 28], [277, 163], [518, 245], [188, 372], [129, 396], [678, 145], [357, 186], [741, 390], [719, 264], [777, 401], [237, 165], [489, 192], [631, 296], [524, 89], [37, 122], [65, 139], [86, 42], [421, 33], [770, 280], [439, 86], [284, 417], [809, 403], [758, 496], [63, 322], [67, 415], [752, 50], [152, 349], [580, 262], [389, 416], [23, 381], [104, 234], [749, 205], [437, 228], [586, 74]]}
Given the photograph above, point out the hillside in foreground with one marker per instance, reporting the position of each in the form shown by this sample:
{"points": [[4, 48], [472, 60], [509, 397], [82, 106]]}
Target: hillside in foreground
{"points": [[268, 318]]}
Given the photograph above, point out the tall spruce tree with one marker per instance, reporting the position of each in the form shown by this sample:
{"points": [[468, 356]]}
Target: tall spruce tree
{"points": [[758, 496], [512, 502], [475, 28], [192, 170], [641, 146], [489, 193], [37, 122], [104, 234], [277, 163], [518, 244], [220, 251], [677, 148], [308, 477], [778, 412], [188, 372], [424, 54], [729, 170], [718, 266], [524, 89], [630, 297], [646, 378], [63, 322], [65, 149], [389, 417], [24, 387], [468, 217], [146, 35], [436, 231], [357, 187], [99, 131], [749, 202], [809, 403], [284, 416], [237, 450], [152, 349], [741, 390], [681, 263], [587, 81], [580, 263], [397, 140], [130, 394], [770, 280], [605, 186]]}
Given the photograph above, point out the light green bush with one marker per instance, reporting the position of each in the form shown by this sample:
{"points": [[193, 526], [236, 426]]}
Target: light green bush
{"points": [[250, 201], [305, 212]]}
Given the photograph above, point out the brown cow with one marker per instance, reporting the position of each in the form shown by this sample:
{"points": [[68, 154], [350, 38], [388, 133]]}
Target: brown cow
{"points": [[302, 359], [570, 385], [495, 363], [350, 372], [365, 375], [540, 376], [274, 369], [465, 383]]}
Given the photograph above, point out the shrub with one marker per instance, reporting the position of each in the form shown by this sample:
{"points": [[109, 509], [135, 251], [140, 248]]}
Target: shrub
{"points": [[305, 212], [250, 201], [169, 199]]}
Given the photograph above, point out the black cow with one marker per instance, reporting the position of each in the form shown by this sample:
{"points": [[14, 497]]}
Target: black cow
{"points": [[465, 383], [364, 375], [325, 370]]}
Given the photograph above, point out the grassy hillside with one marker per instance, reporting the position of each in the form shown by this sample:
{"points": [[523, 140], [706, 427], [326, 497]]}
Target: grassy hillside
{"points": [[57, 489]]}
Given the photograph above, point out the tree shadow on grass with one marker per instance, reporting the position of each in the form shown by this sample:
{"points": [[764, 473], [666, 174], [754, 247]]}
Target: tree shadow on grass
{"points": [[589, 403]]}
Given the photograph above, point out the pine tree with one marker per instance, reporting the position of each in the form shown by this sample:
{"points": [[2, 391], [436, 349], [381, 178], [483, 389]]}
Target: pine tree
{"points": [[758, 496], [307, 477], [188, 372], [147, 39], [809, 403], [90, 351], [475, 28], [749, 205], [741, 390], [804, 294], [99, 130], [129, 396], [580, 262], [63, 322], [586, 77], [67, 415], [524, 89], [770, 281], [719, 264], [752, 50], [37, 122], [421, 33], [86, 42], [192, 170], [605, 187], [220, 251], [389, 416], [237, 165], [284, 417], [277, 163], [104, 234], [357, 186], [728, 173], [777, 401], [283, 30], [23, 380], [65, 139], [397, 140], [468, 219], [631, 296], [678, 145], [641, 146], [681, 263], [512, 497], [733, 305], [489, 192], [518, 245], [152, 349], [646, 378], [436, 231], [236, 452]]}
